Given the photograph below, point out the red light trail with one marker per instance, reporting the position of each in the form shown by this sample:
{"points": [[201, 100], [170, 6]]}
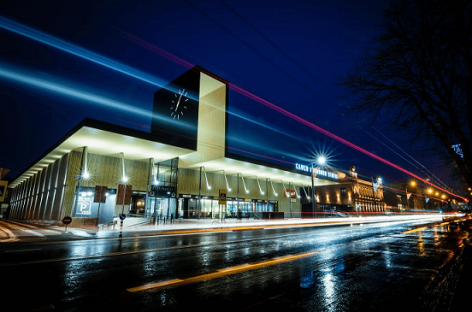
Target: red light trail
{"points": [[266, 103]]}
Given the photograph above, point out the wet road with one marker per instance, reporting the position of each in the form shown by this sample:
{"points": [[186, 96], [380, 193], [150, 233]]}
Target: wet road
{"points": [[369, 267]]}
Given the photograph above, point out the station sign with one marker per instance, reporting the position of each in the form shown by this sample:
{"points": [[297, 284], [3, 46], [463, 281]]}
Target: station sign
{"points": [[162, 191], [316, 171]]}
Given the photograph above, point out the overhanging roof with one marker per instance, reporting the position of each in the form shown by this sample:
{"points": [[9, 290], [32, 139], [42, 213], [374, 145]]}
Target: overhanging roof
{"points": [[249, 169], [110, 140], [104, 139]]}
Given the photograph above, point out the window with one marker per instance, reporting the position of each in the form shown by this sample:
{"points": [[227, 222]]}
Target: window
{"points": [[399, 199], [343, 191]]}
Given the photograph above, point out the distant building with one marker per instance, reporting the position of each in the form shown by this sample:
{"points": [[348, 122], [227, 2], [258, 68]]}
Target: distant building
{"points": [[400, 197], [352, 195]]}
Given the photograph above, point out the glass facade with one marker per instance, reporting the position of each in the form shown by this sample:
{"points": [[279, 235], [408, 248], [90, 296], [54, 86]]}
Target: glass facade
{"points": [[210, 208], [162, 190]]}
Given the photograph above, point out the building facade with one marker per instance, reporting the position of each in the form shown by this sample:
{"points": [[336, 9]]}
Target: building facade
{"points": [[177, 170], [351, 196]]}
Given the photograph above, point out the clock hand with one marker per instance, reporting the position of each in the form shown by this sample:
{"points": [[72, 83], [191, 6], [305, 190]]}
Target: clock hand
{"points": [[178, 102]]}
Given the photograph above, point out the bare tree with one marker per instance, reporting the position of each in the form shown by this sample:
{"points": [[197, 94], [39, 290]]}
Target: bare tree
{"points": [[419, 73]]}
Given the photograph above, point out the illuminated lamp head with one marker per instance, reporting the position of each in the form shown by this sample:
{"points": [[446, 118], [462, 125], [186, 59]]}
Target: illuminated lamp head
{"points": [[125, 179], [321, 160], [86, 175]]}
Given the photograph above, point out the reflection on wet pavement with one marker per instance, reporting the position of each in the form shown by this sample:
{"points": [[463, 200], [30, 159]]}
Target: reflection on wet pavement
{"points": [[373, 267]]}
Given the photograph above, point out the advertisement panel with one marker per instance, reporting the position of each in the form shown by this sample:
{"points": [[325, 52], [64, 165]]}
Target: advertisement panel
{"points": [[222, 197]]}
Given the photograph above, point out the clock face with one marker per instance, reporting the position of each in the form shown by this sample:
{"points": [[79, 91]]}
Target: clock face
{"points": [[175, 111], [179, 104]]}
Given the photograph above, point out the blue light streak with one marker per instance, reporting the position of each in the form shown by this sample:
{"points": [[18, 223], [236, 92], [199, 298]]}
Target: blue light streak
{"points": [[76, 93], [65, 46]]}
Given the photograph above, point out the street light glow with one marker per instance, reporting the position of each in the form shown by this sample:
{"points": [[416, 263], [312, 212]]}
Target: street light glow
{"points": [[321, 160]]}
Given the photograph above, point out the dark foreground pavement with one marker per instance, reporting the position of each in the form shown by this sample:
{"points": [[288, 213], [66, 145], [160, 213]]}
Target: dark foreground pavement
{"points": [[390, 266]]}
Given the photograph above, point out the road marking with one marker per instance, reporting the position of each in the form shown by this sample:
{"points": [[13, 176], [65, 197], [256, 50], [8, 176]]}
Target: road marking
{"points": [[415, 230], [124, 253], [219, 273]]}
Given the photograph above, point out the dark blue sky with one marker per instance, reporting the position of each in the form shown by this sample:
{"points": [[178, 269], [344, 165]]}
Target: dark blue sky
{"points": [[45, 91]]}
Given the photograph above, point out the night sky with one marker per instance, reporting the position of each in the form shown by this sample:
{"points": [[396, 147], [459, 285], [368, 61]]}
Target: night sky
{"points": [[59, 61]]}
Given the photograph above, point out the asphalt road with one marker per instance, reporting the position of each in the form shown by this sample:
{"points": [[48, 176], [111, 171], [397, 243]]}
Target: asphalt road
{"points": [[370, 267]]}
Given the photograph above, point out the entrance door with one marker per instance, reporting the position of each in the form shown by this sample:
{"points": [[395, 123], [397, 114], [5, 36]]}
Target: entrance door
{"points": [[155, 207]]}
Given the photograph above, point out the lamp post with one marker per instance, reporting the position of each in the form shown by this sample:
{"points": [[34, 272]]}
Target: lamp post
{"points": [[313, 204], [430, 191], [378, 182], [321, 160], [413, 185]]}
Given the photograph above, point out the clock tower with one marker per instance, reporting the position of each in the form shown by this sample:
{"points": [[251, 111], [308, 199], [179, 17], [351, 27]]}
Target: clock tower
{"points": [[190, 112], [175, 111]]}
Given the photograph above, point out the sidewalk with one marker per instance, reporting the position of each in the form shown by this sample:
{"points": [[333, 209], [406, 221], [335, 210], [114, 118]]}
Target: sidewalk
{"points": [[185, 226]]}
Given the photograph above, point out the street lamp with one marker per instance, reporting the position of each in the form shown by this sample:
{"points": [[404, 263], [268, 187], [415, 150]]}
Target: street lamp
{"points": [[321, 160]]}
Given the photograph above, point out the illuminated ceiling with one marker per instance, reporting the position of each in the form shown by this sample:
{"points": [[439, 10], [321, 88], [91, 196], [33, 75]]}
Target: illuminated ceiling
{"points": [[102, 142], [108, 143], [251, 170]]}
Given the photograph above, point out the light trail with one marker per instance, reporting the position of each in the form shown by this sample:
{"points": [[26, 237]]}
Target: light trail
{"points": [[65, 46], [331, 135], [48, 85], [259, 155], [266, 103], [98, 59]]}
